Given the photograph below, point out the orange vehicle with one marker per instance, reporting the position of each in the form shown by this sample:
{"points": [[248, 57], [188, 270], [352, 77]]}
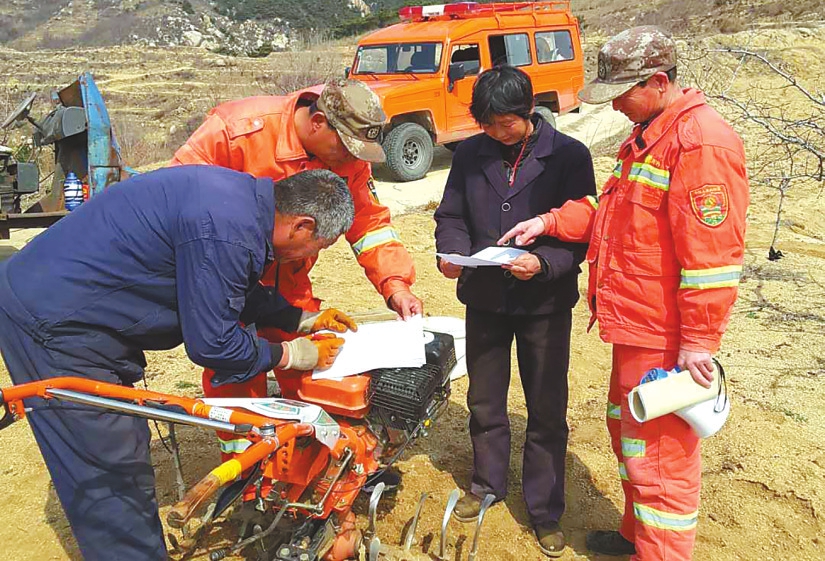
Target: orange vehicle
{"points": [[424, 69]]}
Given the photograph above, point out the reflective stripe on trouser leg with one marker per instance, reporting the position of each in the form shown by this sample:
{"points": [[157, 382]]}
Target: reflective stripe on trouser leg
{"points": [[614, 427], [230, 444], [663, 466]]}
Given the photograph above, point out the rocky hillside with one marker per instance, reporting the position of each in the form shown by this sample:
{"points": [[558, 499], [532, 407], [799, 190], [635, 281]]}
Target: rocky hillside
{"points": [[238, 27], [259, 27]]}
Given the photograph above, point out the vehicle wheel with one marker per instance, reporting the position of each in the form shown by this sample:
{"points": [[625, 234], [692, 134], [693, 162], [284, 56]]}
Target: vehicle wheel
{"points": [[409, 150], [547, 114], [451, 146]]}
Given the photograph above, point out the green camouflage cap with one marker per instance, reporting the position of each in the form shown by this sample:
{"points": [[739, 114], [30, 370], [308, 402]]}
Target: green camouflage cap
{"points": [[354, 111], [632, 56]]}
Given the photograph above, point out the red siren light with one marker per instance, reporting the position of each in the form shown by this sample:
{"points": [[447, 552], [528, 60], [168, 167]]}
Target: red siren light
{"points": [[417, 12], [474, 9]]}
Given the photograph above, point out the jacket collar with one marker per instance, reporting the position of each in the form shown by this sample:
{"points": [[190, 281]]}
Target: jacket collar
{"points": [[491, 148], [642, 139], [533, 166], [265, 196], [289, 146]]}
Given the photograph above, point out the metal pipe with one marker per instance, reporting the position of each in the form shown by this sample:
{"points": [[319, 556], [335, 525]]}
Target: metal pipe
{"points": [[319, 508], [139, 410]]}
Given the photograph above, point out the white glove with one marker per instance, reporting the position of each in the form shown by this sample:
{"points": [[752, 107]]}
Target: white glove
{"points": [[303, 355]]}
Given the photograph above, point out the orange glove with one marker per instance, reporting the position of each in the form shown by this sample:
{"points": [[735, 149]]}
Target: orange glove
{"points": [[310, 353], [331, 319]]}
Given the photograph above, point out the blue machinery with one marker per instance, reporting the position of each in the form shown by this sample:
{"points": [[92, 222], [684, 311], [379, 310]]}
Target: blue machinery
{"points": [[80, 130]]}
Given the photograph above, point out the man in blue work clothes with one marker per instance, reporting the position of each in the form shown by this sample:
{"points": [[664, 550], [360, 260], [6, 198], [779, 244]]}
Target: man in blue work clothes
{"points": [[169, 257]]}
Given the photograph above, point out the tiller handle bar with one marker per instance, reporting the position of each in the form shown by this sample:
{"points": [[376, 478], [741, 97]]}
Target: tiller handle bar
{"points": [[267, 434]]}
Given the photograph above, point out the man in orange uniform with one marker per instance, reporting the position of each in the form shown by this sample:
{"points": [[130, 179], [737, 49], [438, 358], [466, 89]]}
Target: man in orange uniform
{"points": [[666, 250], [278, 137]]}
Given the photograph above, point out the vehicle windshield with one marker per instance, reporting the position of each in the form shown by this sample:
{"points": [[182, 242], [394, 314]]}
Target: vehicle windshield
{"points": [[398, 58]]}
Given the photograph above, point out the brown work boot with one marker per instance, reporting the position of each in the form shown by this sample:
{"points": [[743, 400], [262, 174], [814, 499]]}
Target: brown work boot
{"points": [[467, 508], [609, 542], [550, 538]]}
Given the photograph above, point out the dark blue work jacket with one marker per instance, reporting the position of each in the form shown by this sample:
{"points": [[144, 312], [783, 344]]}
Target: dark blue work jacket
{"points": [[163, 258], [479, 206]]}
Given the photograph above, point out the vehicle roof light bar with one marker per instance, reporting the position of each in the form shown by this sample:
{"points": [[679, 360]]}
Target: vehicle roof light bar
{"points": [[474, 9]]}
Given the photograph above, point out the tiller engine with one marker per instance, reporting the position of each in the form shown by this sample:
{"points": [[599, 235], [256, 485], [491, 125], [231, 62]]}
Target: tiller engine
{"points": [[310, 457]]}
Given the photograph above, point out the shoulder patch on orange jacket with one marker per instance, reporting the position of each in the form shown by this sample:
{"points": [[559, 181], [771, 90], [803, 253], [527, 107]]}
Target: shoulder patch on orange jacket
{"points": [[710, 204]]}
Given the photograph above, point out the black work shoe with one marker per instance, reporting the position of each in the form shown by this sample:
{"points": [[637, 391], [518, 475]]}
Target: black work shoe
{"points": [[467, 508], [391, 479], [609, 542], [550, 539]]}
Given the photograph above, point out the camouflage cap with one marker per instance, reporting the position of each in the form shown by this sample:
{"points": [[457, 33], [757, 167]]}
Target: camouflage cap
{"points": [[354, 111], [632, 56]]}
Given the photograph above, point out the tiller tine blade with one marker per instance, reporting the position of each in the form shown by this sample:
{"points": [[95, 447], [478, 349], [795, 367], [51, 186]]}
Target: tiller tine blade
{"points": [[485, 504], [452, 500], [374, 499], [408, 539], [375, 549]]}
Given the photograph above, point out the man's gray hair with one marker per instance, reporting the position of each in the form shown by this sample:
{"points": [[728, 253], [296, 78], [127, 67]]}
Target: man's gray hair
{"points": [[318, 193]]}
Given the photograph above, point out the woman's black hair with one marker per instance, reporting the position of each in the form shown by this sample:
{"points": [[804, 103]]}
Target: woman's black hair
{"points": [[502, 90]]}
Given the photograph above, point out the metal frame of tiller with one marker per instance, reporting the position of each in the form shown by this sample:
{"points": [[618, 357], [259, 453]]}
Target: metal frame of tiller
{"points": [[267, 435]]}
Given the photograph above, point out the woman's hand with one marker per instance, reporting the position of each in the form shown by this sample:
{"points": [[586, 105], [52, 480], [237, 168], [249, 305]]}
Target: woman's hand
{"points": [[449, 270], [524, 267]]}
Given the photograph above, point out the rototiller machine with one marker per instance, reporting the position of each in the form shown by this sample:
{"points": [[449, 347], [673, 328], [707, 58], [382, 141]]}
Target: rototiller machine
{"points": [[312, 453]]}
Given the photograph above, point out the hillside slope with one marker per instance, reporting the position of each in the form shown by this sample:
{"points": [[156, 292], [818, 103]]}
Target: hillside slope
{"points": [[246, 27]]}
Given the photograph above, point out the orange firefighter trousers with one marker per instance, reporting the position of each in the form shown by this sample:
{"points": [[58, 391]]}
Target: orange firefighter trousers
{"points": [[659, 464]]}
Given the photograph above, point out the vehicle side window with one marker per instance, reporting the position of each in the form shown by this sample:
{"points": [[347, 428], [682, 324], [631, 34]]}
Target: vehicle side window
{"points": [[553, 46], [468, 54], [511, 49]]}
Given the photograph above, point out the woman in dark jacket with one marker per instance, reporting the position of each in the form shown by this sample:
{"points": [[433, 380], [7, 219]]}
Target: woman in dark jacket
{"points": [[519, 167]]}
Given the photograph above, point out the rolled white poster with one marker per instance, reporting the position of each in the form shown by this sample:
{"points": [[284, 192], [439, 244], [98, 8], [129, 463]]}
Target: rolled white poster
{"points": [[660, 397]]}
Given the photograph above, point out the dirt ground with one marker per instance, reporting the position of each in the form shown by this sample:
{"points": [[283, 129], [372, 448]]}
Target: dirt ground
{"points": [[763, 494]]}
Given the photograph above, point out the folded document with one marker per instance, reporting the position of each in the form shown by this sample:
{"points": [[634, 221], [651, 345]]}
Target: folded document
{"points": [[488, 257]]}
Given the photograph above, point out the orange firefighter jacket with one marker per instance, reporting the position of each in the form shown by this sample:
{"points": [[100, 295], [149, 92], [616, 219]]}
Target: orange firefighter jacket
{"points": [[257, 135], [667, 233]]}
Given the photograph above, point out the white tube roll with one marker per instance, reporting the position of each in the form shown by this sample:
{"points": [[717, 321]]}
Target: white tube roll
{"points": [[667, 395], [707, 417]]}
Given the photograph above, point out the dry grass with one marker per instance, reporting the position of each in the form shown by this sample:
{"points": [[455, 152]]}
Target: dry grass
{"points": [[689, 17]]}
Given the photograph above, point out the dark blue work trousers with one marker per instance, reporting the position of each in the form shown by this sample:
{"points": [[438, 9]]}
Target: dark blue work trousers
{"points": [[543, 351], [99, 462]]}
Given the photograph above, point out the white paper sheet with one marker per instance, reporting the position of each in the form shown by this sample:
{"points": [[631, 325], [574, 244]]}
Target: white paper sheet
{"points": [[487, 257], [385, 344]]}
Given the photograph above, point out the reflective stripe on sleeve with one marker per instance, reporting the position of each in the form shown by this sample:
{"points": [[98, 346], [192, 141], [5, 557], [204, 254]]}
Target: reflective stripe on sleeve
{"points": [[665, 520], [633, 448], [614, 411], [594, 201], [623, 471], [711, 278], [234, 446], [617, 171], [373, 239]]}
